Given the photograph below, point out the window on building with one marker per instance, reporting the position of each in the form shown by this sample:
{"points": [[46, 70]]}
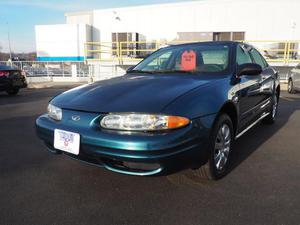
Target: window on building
{"points": [[229, 36]]}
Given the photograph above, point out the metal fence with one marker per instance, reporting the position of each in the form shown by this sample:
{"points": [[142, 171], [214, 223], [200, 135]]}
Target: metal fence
{"points": [[280, 51], [51, 69]]}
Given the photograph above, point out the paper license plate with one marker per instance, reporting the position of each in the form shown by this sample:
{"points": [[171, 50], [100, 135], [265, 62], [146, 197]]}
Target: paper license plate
{"points": [[67, 141]]}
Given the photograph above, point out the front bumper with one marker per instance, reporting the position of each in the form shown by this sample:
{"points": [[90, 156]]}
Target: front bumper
{"points": [[132, 153]]}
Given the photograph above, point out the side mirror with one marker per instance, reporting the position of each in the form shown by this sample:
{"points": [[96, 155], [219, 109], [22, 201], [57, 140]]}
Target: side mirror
{"points": [[249, 69], [129, 69]]}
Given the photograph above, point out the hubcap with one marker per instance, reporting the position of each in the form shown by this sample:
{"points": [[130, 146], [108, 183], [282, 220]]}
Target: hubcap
{"points": [[274, 110], [222, 147]]}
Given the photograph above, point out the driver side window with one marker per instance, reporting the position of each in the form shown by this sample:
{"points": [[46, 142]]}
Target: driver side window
{"points": [[242, 56], [258, 58]]}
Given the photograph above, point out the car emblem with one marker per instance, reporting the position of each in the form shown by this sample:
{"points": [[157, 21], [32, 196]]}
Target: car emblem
{"points": [[75, 118]]}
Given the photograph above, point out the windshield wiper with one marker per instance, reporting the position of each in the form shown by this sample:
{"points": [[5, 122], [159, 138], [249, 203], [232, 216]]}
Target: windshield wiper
{"points": [[140, 71]]}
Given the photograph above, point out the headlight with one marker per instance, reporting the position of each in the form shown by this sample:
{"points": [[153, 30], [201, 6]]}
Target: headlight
{"points": [[54, 112], [142, 122]]}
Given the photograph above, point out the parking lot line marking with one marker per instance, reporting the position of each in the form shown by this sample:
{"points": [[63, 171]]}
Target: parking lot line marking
{"points": [[287, 99]]}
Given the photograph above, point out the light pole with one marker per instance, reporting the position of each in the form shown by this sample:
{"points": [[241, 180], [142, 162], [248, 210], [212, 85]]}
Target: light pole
{"points": [[294, 44], [9, 43], [117, 19], [8, 37]]}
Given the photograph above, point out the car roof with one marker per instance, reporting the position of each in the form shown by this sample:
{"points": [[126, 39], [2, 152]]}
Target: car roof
{"points": [[209, 43], [3, 67]]}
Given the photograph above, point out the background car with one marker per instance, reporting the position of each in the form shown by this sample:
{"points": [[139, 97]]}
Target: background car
{"points": [[294, 80], [11, 79], [181, 107]]}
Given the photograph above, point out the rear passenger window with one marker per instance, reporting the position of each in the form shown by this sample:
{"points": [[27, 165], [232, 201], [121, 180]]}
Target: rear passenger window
{"points": [[258, 58], [242, 56]]}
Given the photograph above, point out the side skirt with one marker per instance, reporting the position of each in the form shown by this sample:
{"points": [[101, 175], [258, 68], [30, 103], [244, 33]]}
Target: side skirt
{"points": [[252, 125]]}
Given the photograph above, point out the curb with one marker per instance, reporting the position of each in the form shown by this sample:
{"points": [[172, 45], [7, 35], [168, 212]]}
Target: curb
{"points": [[53, 85]]}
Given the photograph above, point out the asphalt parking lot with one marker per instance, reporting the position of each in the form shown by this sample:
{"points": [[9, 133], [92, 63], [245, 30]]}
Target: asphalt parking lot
{"points": [[39, 188]]}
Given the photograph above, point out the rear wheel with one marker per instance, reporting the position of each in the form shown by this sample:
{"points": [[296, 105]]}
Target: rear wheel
{"points": [[13, 91], [291, 88], [220, 146]]}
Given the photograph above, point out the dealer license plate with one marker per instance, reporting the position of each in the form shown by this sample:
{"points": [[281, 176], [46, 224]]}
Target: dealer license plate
{"points": [[67, 141]]}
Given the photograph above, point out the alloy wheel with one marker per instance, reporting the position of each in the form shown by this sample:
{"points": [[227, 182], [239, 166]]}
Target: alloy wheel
{"points": [[222, 147], [275, 107], [290, 86]]}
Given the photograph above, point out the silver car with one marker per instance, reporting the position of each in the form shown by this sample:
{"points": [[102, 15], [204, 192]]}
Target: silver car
{"points": [[294, 80]]}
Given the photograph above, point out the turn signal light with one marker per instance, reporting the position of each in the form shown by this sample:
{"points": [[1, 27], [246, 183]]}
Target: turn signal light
{"points": [[177, 121]]}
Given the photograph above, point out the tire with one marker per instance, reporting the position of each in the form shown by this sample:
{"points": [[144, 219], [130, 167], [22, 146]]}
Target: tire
{"points": [[291, 88], [220, 146], [13, 91], [271, 118]]}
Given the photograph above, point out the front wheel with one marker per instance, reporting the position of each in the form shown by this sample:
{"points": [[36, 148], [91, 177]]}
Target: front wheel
{"points": [[13, 91], [220, 146], [291, 89]]}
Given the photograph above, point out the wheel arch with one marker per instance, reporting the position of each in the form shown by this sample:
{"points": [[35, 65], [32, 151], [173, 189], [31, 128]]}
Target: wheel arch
{"points": [[230, 109], [278, 91]]}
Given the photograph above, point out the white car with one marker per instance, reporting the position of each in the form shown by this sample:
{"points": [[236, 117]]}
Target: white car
{"points": [[294, 80]]}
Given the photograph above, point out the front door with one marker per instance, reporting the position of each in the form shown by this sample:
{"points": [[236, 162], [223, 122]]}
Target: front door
{"points": [[249, 90]]}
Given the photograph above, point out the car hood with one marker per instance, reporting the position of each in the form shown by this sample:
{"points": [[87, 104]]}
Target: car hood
{"points": [[129, 93]]}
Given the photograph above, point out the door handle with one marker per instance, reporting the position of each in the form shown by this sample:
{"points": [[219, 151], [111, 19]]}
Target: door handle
{"points": [[264, 77]]}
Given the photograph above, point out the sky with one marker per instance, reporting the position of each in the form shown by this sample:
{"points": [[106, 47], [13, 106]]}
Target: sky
{"points": [[18, 17]]}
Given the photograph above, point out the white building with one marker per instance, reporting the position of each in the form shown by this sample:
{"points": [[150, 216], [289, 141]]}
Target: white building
{"points": [[187, 21]]}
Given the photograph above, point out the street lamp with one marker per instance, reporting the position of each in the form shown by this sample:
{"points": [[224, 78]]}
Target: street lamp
{"points": [[294, 52], [9, 44], [118, 20]]}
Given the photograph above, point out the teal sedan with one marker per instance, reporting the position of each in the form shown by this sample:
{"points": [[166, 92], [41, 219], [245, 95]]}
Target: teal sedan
{"points": [[182, 107]]}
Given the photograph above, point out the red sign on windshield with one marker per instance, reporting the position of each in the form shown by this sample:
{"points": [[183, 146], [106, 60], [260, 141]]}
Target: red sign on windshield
{"points": [[188, 60]]}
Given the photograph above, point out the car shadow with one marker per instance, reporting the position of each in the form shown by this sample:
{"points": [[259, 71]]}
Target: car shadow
{"points": [[29, 95], [258, 135], [246, 145]]}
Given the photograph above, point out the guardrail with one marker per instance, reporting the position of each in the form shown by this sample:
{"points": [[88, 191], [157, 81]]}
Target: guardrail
{"points": [[123, 51], [282, 51], [51, 68]]}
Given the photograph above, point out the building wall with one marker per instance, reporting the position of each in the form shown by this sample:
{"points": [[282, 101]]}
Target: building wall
{"points": [[61, 42], [260, 19], [79, 18]]}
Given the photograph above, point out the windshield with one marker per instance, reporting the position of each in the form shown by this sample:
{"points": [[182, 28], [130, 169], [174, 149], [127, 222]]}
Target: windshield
{"points": [[188, 59]]}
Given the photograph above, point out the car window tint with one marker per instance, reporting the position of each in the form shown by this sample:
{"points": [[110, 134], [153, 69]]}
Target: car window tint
{"points": [[242, 56], [258, 58], [196, 58], [206, 60], [159, 62]]}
